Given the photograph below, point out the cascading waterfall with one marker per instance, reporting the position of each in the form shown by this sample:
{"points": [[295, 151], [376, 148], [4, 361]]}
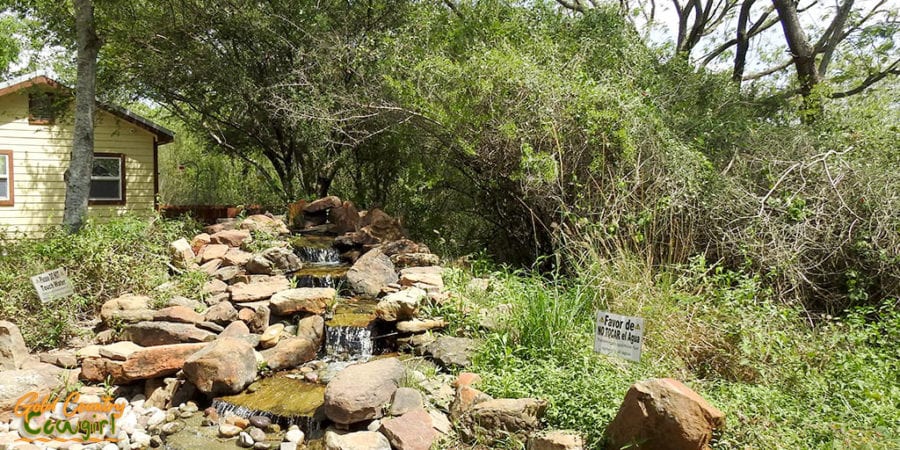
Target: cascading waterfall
{"points": [[308, 424], [351, 341], [316, 255]]}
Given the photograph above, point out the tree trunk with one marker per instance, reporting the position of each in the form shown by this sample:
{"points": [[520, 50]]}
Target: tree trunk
{"points": [[803, 54], [743, 42], [78, 179]]}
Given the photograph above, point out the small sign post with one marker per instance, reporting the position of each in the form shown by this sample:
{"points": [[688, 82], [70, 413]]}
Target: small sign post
{"points": [[52, 285], [620, 336]]}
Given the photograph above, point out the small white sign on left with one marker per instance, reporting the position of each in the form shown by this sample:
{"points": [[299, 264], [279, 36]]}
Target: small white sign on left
{"points": [[52, 285]]}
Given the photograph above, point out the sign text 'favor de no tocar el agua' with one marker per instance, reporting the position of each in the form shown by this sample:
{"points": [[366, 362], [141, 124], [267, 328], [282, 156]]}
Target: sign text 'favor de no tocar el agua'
{"points": [[620, 336]]}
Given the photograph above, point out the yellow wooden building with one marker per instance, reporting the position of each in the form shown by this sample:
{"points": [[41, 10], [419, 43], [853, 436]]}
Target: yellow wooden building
{"points": [[35, 145]]}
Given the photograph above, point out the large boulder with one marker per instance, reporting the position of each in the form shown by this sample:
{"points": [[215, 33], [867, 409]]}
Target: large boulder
{"points": [[126, 309], [451, 351], [360, 440], [345, 218], [289, 353], [177, 313], [236, 257], [403, 260], [401, 305], [312, 328], [212, 252], [40, 378], [260, 290], [411, 431], [182, 254], [379, 224], [13, 352], [147, 334], [262, 222], [221, 313], [403, 246], [360, 392], [370, 273], [306, 300], [501, 417], [231, 238], [428, 278], [226, 366], [322, 204], [663, 413]]}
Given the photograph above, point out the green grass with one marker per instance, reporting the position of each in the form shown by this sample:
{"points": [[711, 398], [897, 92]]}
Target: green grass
{"points": [[784, 378], [103, 261]]}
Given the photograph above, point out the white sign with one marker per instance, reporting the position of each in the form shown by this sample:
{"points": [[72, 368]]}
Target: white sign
{"points": [[620, 336], [52, 285]]}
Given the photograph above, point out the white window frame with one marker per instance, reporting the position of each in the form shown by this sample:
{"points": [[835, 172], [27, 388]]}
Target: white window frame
{"points": [[7, 198], [120, 158]]}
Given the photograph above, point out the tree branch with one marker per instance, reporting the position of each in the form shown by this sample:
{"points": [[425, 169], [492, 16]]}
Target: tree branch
{"points": [[893, 69], [778, 68]]}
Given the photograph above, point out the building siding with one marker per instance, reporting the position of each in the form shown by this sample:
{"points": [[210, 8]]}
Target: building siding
{"points": [[41, 155]]}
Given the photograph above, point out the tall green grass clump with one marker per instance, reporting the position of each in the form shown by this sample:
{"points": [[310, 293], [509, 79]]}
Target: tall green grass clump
{"points": [[785, 379], [103, 261]]}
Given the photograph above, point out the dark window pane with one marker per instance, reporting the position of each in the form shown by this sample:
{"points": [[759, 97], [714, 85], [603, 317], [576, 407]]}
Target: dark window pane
{"points": [[4, 187], [105, 190], [105, 167], [41, 107]]}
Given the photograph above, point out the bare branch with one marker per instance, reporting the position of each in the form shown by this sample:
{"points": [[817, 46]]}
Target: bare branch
{"points": [[777, 68]]}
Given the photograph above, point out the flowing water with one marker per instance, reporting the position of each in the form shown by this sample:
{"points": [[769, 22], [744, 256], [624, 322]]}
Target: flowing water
{"points": [[352, 334], [282, 398], [322, 266]]}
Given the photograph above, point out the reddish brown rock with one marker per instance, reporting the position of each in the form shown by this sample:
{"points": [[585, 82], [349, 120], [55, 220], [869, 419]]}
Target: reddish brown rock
{"points": [[466, 398], [98, 370], [224, 367], [180, 314], [411, 431], [663, 413], [322, 204], [466, 379], [345, 218], [213, 251], [243, 292], [236, 257], [199, 241], [231, 238], [147, 334], [159, 361], [381, 225]]}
